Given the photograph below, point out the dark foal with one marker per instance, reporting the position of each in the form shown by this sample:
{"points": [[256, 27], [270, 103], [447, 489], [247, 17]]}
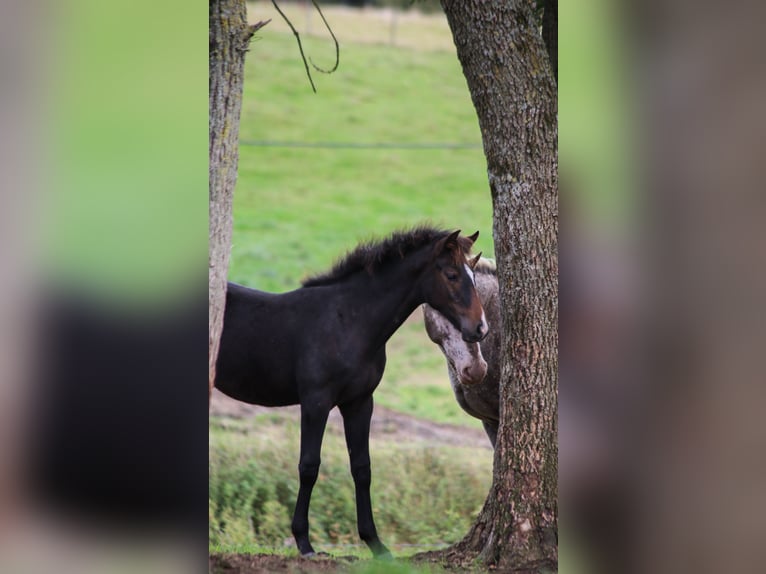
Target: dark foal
{"points": [[324, 345]]}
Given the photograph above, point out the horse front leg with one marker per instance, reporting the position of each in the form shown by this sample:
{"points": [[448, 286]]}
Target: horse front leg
{"points": [[356, 424], [313, 421]]}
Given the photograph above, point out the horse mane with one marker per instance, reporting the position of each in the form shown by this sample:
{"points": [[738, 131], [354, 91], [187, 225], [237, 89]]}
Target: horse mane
{"points": [[370, 255], [486, 266]]}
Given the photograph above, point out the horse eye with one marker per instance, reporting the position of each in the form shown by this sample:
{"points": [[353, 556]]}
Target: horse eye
{"points": [[452, 275]]}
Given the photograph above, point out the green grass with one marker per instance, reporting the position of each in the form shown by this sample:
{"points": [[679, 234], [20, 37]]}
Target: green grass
{"points": [[297, 210], [421, 494], [414, 29]]}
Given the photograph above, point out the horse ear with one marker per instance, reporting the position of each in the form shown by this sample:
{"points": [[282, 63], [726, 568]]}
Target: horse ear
{"points": [[473, 237], [452, 240], [475, 261], [449, 242]]}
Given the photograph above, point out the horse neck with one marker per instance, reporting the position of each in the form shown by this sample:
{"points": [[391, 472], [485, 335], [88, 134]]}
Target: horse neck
{"points": [[486, 286], [389, 297], [488, 291]]}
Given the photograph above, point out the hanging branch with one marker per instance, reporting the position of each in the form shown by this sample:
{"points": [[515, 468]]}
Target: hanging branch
{"points": [[334, 39], [300, 45]]}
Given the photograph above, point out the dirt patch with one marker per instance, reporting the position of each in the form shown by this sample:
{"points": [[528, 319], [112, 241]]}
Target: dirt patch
{"points": [[386, 424], [268, 563]]}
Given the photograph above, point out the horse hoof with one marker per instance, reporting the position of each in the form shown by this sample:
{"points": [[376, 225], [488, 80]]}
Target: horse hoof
{"points": [[309, 554]]}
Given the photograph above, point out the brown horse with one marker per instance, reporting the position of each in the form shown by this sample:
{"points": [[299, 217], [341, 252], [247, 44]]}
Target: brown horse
{"points": [[473, 368], [323, 345]]}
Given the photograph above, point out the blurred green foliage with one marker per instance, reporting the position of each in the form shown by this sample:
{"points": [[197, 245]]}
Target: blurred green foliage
{"points": [[124, 211], [596, 129]]}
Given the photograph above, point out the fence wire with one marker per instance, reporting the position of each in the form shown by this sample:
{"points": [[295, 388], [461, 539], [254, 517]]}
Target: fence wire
{"points": [[362, 145]]}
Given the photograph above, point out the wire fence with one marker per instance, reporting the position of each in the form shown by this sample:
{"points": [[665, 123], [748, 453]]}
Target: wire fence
{"points": [[363, 145]]}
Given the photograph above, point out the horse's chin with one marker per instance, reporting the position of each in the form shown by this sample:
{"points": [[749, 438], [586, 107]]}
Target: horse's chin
{"points": [[472, 381]]}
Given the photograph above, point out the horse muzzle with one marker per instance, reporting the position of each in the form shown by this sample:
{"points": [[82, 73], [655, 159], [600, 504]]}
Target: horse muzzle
{"points": [[473, 373], [476, 333]]}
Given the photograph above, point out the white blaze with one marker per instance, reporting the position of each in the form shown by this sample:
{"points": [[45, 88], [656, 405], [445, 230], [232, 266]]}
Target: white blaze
{"points": [[470, 273]]}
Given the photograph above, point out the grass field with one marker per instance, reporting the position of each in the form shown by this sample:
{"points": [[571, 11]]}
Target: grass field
{"points": [[403, 29], [296, 209], [422, 494]]}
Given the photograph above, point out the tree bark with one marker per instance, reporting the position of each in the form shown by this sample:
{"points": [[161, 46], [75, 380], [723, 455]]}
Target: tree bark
{"points": [[229, 38], [511, 83]]}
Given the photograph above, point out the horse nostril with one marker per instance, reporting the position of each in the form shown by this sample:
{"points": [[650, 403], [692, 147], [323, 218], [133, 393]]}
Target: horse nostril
{"points": [[473, 374], [482, 330]]}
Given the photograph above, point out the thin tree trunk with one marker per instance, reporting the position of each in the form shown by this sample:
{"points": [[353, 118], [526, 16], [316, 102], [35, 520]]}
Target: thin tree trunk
{"points": [[511, 83], [229, 37]]}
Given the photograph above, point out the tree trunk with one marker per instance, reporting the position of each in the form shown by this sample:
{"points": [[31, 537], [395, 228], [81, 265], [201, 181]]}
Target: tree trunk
{"points": [[229, 37], [511, 83]]}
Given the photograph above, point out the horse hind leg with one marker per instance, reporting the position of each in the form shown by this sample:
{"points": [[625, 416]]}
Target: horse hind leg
{"points": [[356, 425], [313, 422]]}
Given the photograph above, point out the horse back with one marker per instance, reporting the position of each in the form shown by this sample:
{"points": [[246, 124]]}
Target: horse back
{"points": [[256, 356], [281, 349]]}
